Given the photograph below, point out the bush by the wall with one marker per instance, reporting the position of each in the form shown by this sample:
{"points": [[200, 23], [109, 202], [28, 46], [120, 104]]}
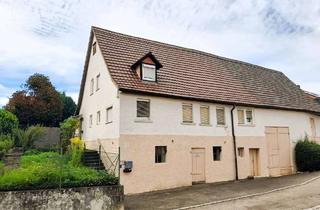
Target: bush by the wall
{"points": [[307, 156]]}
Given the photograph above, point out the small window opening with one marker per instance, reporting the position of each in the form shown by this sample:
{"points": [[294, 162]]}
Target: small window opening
{"points": [[160, 154], [216, 153]]}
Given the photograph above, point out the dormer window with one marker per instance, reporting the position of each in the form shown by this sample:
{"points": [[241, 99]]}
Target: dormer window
{"points": [[146, 67], [148, 72]]}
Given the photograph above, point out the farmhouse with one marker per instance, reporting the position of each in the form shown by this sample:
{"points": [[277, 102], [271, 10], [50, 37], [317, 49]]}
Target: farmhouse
{"points": [[182, 116]]}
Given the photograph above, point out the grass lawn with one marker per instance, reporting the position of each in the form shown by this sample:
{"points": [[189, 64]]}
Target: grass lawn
{"points": [[41, 170]]}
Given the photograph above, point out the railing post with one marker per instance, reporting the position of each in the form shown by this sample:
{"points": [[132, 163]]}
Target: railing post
{"points": [[119, 164], [99, 155]]}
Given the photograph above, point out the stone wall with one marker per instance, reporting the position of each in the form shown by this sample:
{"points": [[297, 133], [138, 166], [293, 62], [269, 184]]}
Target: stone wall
{"points": [[51, 138], [93, 198]]}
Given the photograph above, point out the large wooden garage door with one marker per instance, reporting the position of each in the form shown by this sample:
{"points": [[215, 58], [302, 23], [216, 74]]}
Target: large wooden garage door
{"points": [[279, 151]]}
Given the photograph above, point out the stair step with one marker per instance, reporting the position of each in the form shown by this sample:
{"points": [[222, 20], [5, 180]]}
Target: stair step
{"points": [[91, 159]]}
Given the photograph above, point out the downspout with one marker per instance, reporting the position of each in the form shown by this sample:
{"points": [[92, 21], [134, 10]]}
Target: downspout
{"points": [[234, 143]]}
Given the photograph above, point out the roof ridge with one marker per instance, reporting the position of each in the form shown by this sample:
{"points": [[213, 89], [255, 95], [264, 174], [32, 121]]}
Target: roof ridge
{"points": [[188, 49]]}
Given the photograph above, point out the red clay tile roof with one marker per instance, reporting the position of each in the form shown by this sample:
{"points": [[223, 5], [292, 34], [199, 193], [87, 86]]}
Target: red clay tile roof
{"points": [[197, 75]]}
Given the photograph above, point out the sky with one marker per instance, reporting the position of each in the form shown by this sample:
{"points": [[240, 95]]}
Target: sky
{"points": [[51, 36]]}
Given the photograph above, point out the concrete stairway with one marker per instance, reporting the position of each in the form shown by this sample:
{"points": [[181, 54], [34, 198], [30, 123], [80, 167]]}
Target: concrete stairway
{"points": [[91, 158], [12, 158]]}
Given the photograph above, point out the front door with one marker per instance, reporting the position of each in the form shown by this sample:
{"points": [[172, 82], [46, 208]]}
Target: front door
{"points": [[254, 162], [198, 165]]}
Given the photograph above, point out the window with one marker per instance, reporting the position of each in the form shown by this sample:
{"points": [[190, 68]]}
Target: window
{"points": [[90, 121], [160, 154], [245, 117], [91, 86], [97, 82], [94, 48], [148, 72], [187, 113], [98, 117], [109, 115], [143, 108], [220, 116], [204, 115], [216, 153], [240, 151]]}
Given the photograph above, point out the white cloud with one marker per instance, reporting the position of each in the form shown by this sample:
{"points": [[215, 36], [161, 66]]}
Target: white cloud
{"points": [[51, 36]]}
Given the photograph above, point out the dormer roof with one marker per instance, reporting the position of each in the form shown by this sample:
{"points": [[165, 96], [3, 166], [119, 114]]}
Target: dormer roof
{"points": [[144, 58]]}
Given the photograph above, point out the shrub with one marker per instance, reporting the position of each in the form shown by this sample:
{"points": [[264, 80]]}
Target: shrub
{"points": [[6, 143], [26, 138], [68, 129], [307, 155], [45, 170], [8, 122], [1, 168], [75, 151]]}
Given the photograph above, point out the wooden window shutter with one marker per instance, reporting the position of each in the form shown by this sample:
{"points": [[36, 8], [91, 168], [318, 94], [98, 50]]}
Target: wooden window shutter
{"points": [[204, 115], [241, 117], [143, 108], [187, 113], [220, 116]]}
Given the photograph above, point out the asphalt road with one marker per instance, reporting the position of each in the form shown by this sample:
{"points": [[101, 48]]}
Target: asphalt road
{"points": [[302, 197]]}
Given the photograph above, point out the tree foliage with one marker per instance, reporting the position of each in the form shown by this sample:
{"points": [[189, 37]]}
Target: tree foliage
{"points": [[69, 106], [37, 103], [8, 122], [68, 129]]}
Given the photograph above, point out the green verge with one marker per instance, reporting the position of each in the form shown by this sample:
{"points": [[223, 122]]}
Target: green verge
{"points": [[45, 170]]}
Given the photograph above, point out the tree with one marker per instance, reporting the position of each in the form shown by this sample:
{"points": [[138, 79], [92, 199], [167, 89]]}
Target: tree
{"points": [[8, 122], [37, 103], [69, 106], [68, 130]]}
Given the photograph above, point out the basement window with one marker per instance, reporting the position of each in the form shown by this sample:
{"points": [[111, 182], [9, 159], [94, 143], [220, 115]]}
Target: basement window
{"points": [[160, 154], [216, 153], [148, 72], [240, 151]]}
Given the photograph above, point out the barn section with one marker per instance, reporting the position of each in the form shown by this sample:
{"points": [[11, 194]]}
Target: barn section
{"points": [[279, 152]]}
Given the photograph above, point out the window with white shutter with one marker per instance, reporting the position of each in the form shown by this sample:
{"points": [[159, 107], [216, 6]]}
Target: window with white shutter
{"points": [[204, 115], [143, 108], [220, 116], [245, 117], [240, 117], [187, 113], [148, 72]]}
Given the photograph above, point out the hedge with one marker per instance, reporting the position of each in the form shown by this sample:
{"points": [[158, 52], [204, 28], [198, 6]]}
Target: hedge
{"points": [[307, 156]]}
